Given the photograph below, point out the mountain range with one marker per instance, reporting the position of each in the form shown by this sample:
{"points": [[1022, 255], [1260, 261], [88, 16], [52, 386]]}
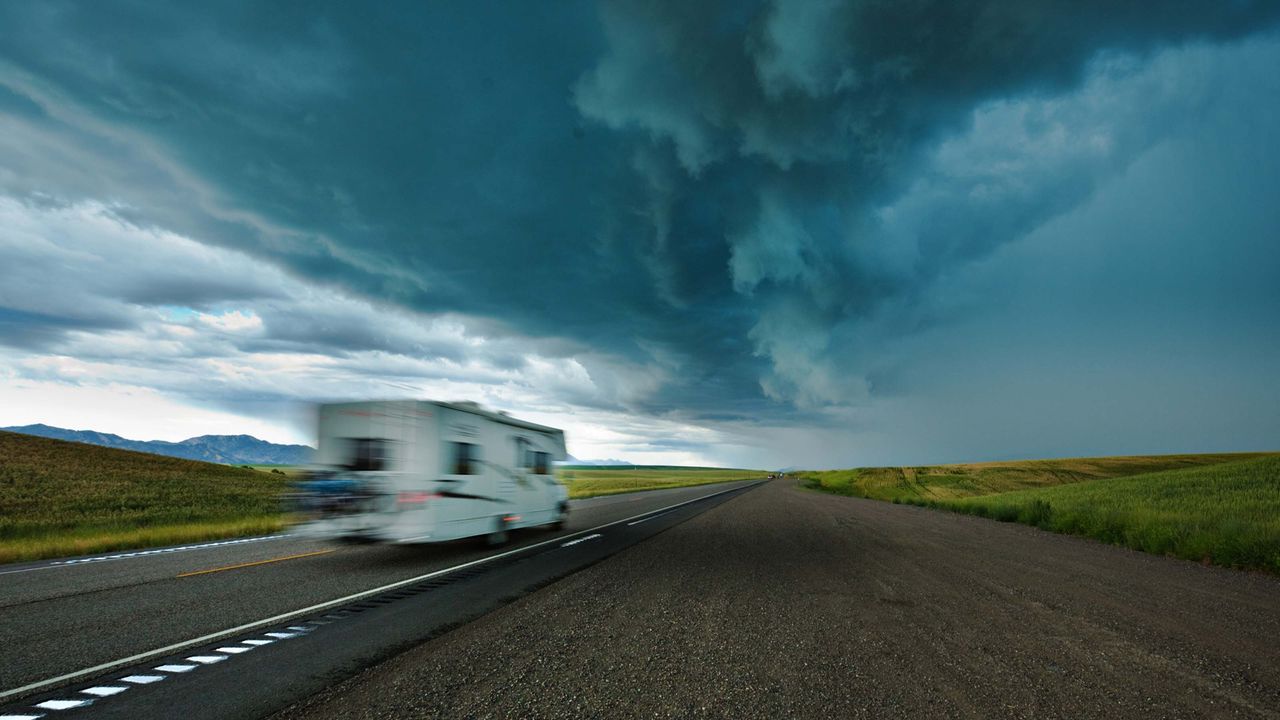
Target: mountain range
{"points": [[229, 449], [611, 462]]}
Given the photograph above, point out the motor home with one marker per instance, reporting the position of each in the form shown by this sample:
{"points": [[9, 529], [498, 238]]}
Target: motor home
{"points": [[420, 472]]}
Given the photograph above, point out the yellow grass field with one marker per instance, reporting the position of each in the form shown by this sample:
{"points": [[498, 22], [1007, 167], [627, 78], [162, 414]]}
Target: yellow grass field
{"points": [[943, 482], [1222, 509], [591, 481], [61, 498]]}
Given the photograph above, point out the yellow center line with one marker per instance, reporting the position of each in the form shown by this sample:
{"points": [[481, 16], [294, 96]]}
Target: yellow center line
{"points": [[259, 562]]}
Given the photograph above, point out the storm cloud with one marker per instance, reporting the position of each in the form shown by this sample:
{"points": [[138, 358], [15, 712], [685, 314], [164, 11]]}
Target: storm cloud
{"points": [[725, 215]]}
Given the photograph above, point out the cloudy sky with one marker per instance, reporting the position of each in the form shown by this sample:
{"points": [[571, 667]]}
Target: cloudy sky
{"points": [[791, 232]]}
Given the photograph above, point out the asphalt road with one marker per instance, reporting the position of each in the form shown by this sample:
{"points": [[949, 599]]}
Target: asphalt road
{"points": [[57, 618], [783, 602]]}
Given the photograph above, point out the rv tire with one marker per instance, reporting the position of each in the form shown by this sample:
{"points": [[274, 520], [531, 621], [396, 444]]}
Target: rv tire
{"points": [[499, 534]]}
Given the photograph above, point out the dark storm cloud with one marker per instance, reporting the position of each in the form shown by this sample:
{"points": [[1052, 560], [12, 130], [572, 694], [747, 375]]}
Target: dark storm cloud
{"points": [[196, 292], [815, 115], [36, 331], [81, 267], [743, 197], [339, 330]]}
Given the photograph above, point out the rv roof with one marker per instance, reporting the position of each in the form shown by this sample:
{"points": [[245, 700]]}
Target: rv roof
{"points": [[466, 406], [475, 409]]}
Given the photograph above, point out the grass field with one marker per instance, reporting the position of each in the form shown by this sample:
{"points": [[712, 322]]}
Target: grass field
{"points": [[588, 481], [1223, 509], [60, 498]]}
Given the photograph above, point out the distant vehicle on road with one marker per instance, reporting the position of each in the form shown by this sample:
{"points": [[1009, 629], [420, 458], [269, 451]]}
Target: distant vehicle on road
{"points": [[420, 472]]}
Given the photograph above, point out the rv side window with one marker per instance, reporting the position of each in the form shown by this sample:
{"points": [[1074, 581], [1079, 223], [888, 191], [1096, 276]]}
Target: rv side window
{"points": [[465, 459], [540, 462], [524, 456], [367, 454]]}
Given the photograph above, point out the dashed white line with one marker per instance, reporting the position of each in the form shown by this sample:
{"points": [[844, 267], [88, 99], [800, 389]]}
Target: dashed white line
{"points": [[144, 553], [62, 704], [592, 536], [207, 659], [158, 551], [104, 690]]}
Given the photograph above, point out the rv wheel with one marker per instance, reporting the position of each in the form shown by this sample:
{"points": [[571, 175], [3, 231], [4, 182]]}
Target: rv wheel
{"points": [[499, 535], [563, 520]]}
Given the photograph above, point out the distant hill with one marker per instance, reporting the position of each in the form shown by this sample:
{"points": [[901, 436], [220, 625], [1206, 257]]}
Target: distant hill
{"points": [[229, 449], [571, 461]]}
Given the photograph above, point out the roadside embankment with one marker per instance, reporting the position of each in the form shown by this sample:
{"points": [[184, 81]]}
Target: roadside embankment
{"points": [[1223, 509], [61, 498]]}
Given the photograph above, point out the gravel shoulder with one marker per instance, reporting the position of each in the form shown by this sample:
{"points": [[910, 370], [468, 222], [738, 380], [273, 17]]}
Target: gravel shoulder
{"points": [[789, 603]]}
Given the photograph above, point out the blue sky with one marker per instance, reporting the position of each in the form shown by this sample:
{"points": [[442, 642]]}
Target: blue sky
{"points": [[777, 233]]}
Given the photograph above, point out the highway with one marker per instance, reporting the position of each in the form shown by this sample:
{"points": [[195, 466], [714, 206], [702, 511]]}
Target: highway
{"points": [[740, 600], [296, 614], [788, 603]]}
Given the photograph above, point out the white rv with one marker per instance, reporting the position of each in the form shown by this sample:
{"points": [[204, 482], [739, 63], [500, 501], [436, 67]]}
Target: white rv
{"points": [[419, 472]]}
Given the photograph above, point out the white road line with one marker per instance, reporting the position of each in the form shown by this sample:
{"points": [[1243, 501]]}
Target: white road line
{"points": [[207, 659], [593, 536], [637, 522], [142, 679], [234, 650], [104, 690], [62, 704], [21, 717], [239, 629], [75, 562], [256, 642]]}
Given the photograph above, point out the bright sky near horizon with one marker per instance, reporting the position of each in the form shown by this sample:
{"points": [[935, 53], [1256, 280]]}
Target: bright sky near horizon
{"points": [[761, 234]]}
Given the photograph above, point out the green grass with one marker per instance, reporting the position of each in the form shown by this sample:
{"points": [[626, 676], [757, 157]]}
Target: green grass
{"points": [[1223, 509], [61, 498], [584, 481]]}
